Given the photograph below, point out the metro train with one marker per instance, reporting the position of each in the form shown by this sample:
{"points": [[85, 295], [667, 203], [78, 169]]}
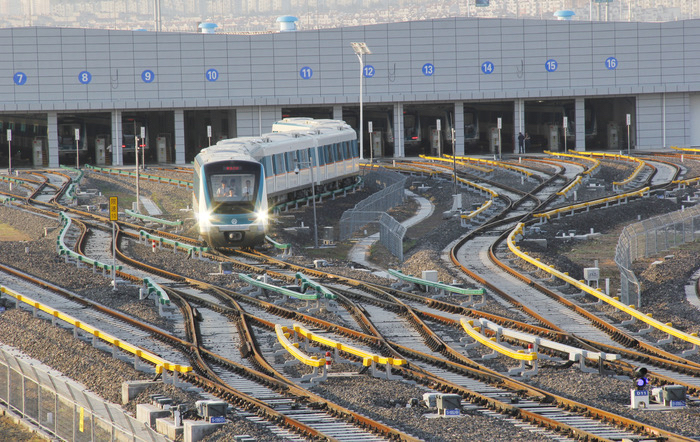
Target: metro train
{"points": [[66, 140], [236, 180]]}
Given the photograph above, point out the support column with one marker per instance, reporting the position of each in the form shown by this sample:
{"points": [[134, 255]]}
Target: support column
{"points": [[52, 127], [337, 112], [518, 121], [117, 154], [399, 150], [232, 129], [459, 129], [580, 112], [179, 136], [256, 120]]}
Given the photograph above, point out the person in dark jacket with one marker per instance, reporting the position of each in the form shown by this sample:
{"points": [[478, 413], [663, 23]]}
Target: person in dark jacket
{"points": [[521, 142]]}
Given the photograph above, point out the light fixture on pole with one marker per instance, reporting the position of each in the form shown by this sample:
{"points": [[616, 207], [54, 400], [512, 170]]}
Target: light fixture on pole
{"points": [[143, 147], [77, 148], [361, 50], [138, 178], [629, 123], [9, 152], [500, 126], [313, 194], [454, 162]]}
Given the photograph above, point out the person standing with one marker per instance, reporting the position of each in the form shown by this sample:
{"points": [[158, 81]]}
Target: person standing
{"points": [[527, 143], [248, 190], [521, 142]]}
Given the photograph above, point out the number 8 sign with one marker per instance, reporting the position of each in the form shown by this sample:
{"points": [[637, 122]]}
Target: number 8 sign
{"points": [[85, 77]]}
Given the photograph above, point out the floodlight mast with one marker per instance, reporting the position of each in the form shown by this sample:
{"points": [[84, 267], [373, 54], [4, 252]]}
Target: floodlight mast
{"points": [[361, 50]]}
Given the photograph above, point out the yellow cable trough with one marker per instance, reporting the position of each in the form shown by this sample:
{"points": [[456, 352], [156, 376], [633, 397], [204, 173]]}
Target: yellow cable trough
{"points": [[596, 163], [495, 164], [630, 310], [472, 331], [367, 358], [549, 213], [685, 149], [640, 164], [451, 160], [293, 348], [159, 362]]}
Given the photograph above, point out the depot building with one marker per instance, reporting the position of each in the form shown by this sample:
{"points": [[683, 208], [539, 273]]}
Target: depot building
{"points": [[463, 85]]}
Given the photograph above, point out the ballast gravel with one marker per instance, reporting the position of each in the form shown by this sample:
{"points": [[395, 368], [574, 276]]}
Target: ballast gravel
{"points": [[383, 400]]}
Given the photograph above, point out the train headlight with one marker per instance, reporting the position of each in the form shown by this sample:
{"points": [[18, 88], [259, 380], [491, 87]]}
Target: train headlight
{"points": [[262, 217], [206, 219]]}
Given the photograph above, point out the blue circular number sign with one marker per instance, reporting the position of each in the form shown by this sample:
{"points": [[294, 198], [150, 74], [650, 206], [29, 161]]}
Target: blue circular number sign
{"points": [[85, 77], [212, 75], [20, 78], [611, 63], [147, 76], [428, 69], [551, 65], [368, 71], [306, 72], [487, 67]]}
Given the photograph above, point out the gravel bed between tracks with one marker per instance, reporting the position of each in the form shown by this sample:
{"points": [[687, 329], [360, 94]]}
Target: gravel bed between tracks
{"points": [[601, 391]]}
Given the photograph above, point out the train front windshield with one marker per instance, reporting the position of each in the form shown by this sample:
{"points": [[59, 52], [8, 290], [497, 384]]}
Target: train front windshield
{"points": [[233, 190]]}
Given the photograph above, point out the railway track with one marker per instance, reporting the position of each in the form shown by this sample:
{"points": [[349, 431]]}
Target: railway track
{"points": [[258, 264]]}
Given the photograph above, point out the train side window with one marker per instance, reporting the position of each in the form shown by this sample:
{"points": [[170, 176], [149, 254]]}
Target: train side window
{"points": [[267, 165], [290, 158], [279, 164], [330, 154], [338, 151], [355, 149], [321, 156], [311, 157]]}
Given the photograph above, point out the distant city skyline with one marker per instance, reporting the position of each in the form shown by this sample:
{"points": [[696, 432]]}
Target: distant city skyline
{"points": [[233, 16]]}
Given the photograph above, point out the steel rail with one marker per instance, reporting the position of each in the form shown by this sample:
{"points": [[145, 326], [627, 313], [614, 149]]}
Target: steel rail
{"points": [[252, 350]]}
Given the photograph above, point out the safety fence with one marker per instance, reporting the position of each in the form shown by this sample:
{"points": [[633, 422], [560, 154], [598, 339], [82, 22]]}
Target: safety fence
{"points": [[374, 209], [649, 238], [64, 409], [691, 338], [391, 234]]}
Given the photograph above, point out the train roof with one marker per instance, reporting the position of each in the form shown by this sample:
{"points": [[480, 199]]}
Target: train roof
{"points": [[288, 134], [302, 123]]}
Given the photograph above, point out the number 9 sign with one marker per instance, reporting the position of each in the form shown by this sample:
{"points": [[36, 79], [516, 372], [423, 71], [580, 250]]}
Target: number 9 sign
{"points": [[147, 76]]}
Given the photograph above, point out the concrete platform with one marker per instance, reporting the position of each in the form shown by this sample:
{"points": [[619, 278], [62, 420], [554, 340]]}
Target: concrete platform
{"points": [[166, 426], [148, 414], [196, 430]]}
